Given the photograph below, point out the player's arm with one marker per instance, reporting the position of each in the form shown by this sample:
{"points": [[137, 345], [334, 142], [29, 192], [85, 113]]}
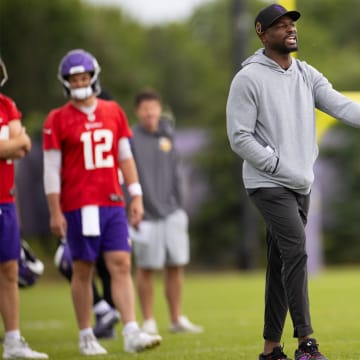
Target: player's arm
{"points": [[52, 185], [18, 143], [16, 129], [131, 179]]}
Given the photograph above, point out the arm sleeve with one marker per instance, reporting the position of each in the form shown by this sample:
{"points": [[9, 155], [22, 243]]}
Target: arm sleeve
{"points": [[333, 102], [52, 168], [124, 149], [241, 117]]}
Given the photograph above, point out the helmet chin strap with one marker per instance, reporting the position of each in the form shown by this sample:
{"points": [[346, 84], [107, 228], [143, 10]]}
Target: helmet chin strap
{"points": [[81, 93]]}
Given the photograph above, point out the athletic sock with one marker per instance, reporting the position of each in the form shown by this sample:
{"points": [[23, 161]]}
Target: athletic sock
{"points": [[130, 327], [12, 335], [84, 332]]}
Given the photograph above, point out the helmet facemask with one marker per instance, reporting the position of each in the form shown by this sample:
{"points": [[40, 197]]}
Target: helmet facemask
{"points": [[4, 75]]}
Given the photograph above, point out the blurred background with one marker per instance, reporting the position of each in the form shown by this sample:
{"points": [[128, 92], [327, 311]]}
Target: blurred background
{"points": [[189, 51]]}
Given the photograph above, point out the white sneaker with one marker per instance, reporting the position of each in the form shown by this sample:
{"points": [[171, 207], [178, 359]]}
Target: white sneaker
{"points": [[150, 327], [138, 340], [88, 345], [19, 349], [186, 326]]}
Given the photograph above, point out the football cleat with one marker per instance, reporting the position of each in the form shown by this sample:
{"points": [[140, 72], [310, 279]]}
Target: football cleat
{"points": [[19, 349], [88, 345], [137, 341], [184, 325], [150, 327], [309, 350]]}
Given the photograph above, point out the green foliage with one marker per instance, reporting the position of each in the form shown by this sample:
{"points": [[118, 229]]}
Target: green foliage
{"points": [[32, 42], [191, 63], [342, 234], [229, 306], [328, 40]]}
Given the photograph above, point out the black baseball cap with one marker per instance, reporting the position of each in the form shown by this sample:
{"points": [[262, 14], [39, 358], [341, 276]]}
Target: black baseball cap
{"points": [[270, 14]]}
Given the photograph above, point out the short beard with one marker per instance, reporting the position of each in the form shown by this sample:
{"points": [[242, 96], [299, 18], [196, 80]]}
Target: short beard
{"points": [[282, 49]]}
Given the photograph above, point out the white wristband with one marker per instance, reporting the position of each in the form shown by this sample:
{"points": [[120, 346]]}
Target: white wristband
{"points": [[134, 189]]}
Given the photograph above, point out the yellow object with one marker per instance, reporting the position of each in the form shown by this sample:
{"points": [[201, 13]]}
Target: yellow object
{"points": [[323, 121], [288, 4]]}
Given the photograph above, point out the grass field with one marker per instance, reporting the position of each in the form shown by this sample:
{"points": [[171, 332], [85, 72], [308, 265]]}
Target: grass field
{"points": [[229, 306]]}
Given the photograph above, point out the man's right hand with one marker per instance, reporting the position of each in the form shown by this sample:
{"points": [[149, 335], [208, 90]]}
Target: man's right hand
{"points": [[58, 224]]}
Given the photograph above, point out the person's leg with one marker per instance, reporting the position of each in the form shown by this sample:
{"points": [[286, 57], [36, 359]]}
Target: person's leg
{"points": [[63, 262], [105, 313], [295, 273], [176, 243], [116, 250], [287, 270], [14, 345], [9, 295], [81, 292], [273, 295], [303, 208], [96, 295], [173, 281], [84, 250], [82, 296], [118, 264], [104, 276], [149, 257], [177, 250], [145, 287], [9, 255]]}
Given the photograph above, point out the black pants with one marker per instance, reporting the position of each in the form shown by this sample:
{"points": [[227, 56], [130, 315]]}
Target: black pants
{"points": [[105, 279], [285, 214]]}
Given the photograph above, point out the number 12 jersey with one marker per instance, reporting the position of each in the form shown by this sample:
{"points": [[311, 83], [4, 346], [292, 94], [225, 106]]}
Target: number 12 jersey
{"points": [[89, 153]]}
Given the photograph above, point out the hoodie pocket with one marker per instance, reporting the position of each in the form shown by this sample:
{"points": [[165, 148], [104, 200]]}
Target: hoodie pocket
{"points": [[292, 177]]}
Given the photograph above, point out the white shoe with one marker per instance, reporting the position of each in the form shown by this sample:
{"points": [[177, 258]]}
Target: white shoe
{"points": [[138, 340], [19, 349], [88, 345], [150, 327], [186, 326]]}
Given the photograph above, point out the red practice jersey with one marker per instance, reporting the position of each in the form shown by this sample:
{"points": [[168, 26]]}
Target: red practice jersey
{"points": [[8, 112], [89, 148]]}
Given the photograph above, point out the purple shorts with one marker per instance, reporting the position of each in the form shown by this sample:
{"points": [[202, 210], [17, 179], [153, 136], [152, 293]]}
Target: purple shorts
{"points": [[10, 240], [114, 234]]}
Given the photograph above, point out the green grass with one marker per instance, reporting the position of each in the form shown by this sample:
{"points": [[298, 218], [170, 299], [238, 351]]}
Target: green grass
{"points": [[229, 306]]}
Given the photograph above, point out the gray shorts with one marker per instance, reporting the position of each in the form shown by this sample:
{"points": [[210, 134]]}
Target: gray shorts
{"points": [[162, 242]]}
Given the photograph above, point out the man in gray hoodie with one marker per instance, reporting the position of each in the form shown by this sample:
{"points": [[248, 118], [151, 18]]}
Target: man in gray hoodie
{"points": [[271, 125]]}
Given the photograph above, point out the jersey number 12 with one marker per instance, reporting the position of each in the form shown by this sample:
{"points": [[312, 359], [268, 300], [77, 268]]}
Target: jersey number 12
{"points": [[96, 144]]}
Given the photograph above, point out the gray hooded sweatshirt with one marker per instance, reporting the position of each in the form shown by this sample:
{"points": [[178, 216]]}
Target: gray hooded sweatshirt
{"points": [[271, 120]]}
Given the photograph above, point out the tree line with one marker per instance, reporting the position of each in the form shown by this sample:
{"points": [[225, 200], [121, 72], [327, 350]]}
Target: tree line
{"points": [[191, 63]]}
